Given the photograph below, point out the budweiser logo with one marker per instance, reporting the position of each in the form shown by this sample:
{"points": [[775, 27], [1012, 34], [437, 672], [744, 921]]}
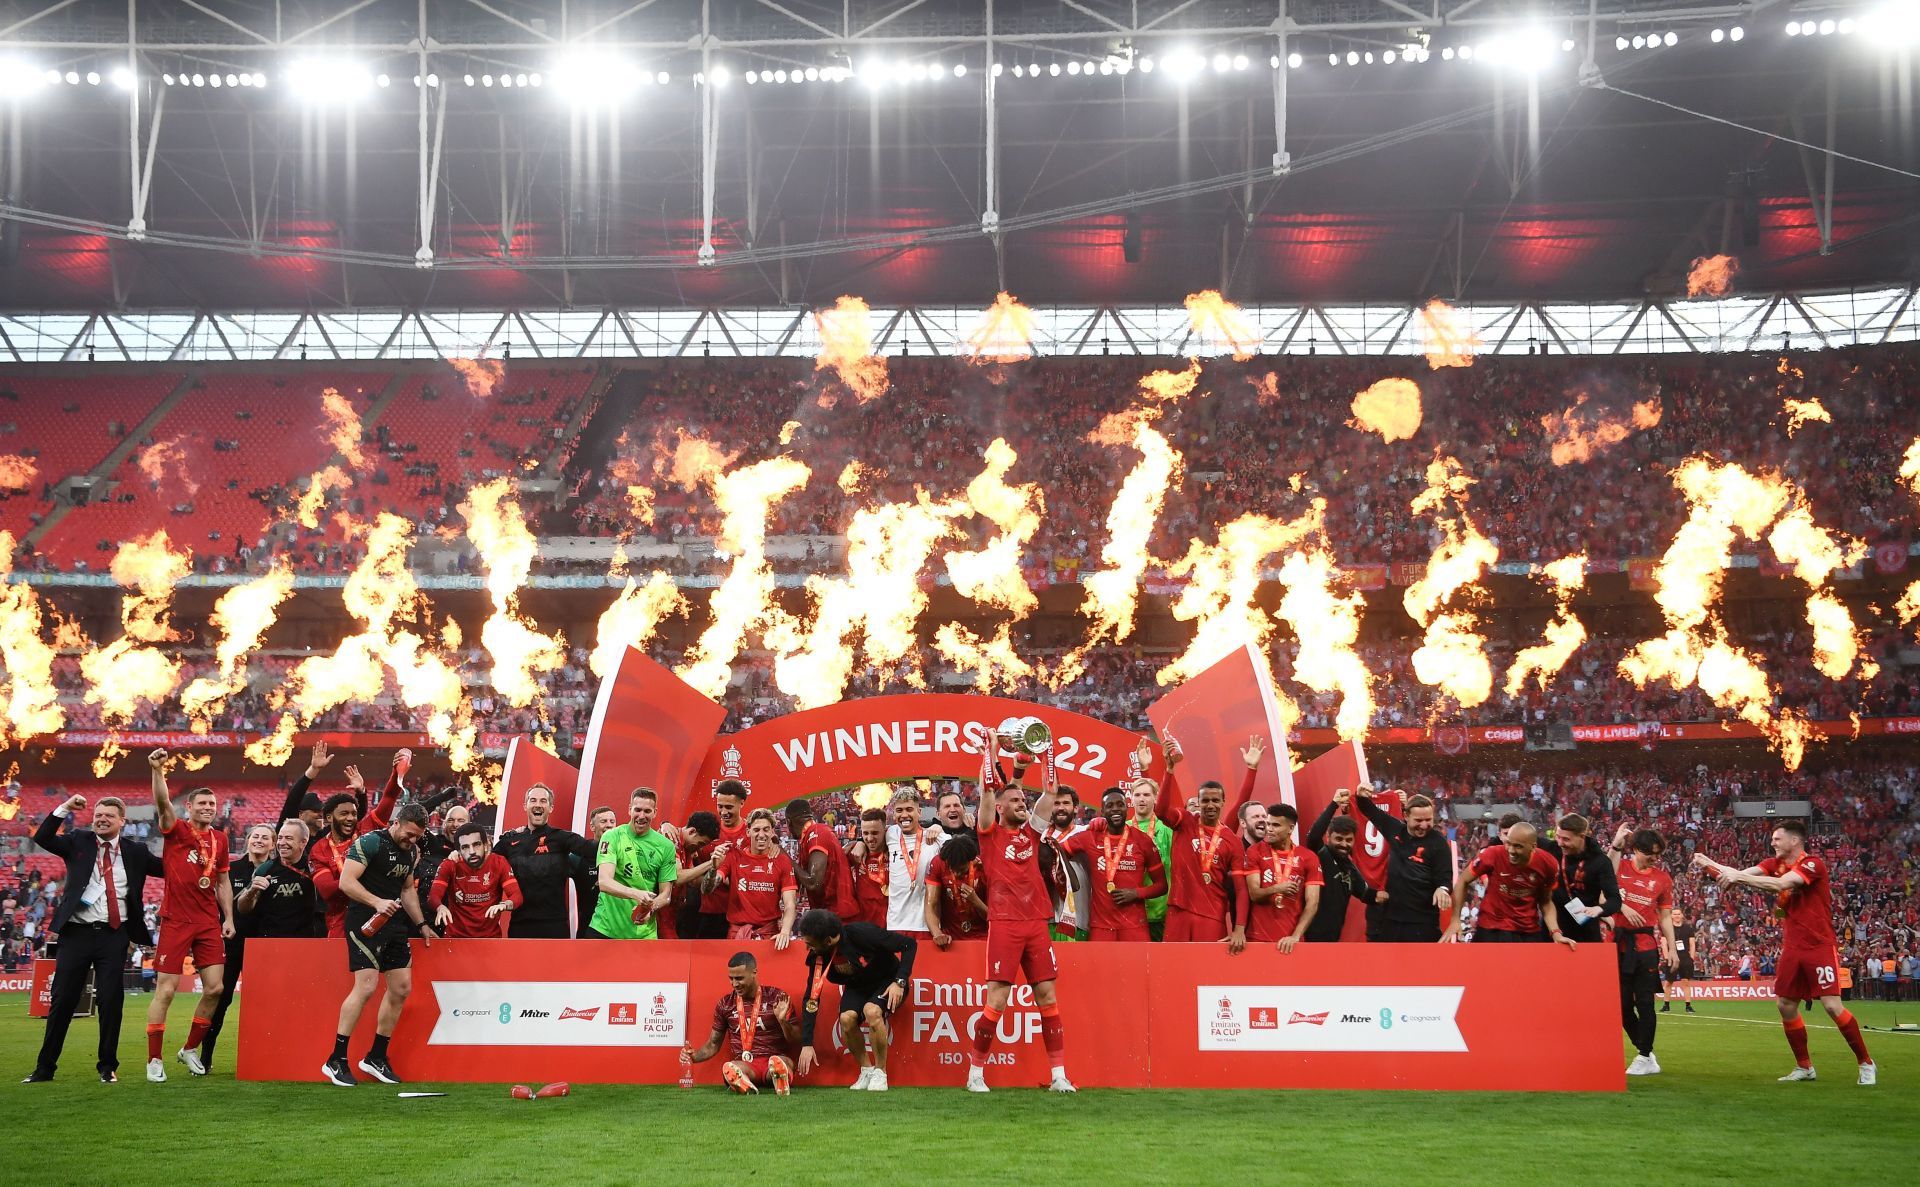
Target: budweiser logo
{"points": [[585, 1015], [1298, 1018]]}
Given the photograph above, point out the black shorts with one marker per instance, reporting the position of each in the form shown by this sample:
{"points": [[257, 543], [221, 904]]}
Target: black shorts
{"points": [[855, 1001], [1640, 970], [1684, 973], [384, 952], [1488, 935], [1395, 931]]}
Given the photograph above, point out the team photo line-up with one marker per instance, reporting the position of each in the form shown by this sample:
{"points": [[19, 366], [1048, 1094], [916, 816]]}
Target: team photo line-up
{"points": [[1019, 873]]}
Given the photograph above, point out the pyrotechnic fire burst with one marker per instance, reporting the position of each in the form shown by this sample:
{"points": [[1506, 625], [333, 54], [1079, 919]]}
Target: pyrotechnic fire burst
{"points": [[1220, 323], [846, 346]]}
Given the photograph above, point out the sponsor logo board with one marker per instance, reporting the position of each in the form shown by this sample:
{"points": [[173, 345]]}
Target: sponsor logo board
{"points": [[542, 1013], [1329, 1018]]}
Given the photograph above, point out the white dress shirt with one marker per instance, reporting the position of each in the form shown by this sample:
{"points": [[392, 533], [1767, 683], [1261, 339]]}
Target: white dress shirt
{"points": [[93, 908]]}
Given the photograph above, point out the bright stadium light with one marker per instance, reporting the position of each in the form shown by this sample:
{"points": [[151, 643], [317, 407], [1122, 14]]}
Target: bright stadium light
{"points": [[325, 80], [18, 78], [1736, 33], [1895, 24], [1531, 50], [1293, 61], [589, 78]]}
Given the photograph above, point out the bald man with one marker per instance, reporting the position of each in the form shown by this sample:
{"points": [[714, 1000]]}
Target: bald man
{"points": [[1520, 880]]}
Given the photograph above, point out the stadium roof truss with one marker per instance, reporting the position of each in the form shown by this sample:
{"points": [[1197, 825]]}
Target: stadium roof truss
{"points": [[1649, 326], [686, 39]]}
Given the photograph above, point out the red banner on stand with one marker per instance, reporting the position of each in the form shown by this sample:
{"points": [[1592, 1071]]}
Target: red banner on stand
{"points": [[1215, 713], [1427, 1016], [649, 729]]}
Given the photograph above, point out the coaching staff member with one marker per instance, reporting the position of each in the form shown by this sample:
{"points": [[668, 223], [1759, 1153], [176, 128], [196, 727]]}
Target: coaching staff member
{"points": [[1586, 875], [98, 916], [873, 968], [1419, 870]]}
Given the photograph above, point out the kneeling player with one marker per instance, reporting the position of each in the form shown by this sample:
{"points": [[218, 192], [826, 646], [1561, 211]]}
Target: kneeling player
{"points": [[377, 878], [757, 1024], [873, 968], [1019, 912], [1520, 879], [1809, 957]]}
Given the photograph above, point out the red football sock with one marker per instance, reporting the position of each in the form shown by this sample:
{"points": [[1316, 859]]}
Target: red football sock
{"points": [[195, 1033], [1054, 1034], [1796, 1029], [1851, 1029], [983, 1029], [156, 1037]]}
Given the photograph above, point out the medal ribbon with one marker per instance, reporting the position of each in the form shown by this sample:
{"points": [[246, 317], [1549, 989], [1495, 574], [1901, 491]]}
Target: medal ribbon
{"points": [[1217, 835], [1112, 857], [749, 1023]]}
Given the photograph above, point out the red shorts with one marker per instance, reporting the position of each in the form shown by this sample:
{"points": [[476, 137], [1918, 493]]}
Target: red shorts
{"points": [[1807, 975], [1131, 934], [761, 1069], [179, 940], [1015, 945], [1185, 927]]}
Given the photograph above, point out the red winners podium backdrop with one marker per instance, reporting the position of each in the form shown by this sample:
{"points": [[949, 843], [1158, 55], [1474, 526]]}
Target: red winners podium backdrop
{"points": [[1137, 1016]]}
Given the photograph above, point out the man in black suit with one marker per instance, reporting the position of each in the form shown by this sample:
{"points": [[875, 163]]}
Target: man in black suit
{"points": [[98, 916]]}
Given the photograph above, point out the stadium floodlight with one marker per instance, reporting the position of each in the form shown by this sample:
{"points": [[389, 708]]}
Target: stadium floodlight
{"points": [[213, 80], [1793, 28], [1294, 61], [93, 78], [1240, 61], [1672, 38], [1846, 26], [1736, 33], [1531, 50], [1389, 57], [18, 78], [1146, 65], [1466, 53], [199, 80], [1221, 63], [1073, 67], [486, 80], [1717, 36], [1053, 68], [1353, 57], [720, 76], [592, 78], [813, 73], [1621, 43], [326, 80], [1446, 54], [73, 78], [996, 70], [535, 79], [1827, 27], [1894, 24], [167, 78]]}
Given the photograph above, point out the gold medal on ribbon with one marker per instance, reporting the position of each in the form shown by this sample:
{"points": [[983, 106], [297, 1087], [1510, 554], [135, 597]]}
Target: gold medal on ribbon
{"points": [[205, 882]]}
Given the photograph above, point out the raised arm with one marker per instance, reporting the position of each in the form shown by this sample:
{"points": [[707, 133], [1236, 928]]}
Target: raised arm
{"points": [[163, 817], [381, 814], [303, 783], [48, 835], [1256, 749], [1388, 826], [1168, 806], [1317, 831]]}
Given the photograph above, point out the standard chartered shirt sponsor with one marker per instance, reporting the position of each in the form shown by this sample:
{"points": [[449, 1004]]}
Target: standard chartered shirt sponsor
{"points": [[560, 1014]]}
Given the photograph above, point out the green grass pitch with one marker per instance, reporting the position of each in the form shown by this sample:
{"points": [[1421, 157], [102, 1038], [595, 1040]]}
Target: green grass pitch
{"points": [[1716, 1115]]}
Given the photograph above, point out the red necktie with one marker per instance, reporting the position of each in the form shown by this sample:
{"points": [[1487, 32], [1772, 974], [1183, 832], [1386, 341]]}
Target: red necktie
{"points": [[106, 878]]}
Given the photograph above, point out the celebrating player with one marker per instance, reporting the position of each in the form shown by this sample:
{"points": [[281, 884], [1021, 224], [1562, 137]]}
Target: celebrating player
{"points": [[822, 869], [1643, 930], [1809, 957], [472, 891], [1520, 881], [872, 967], [1208, 903], [1020, 904], [909, 853], [756, 1022], [1283, 882], [344, 823], [869, 860], [638, 866], [196, 916], [377, 878], [1127, 872], [764, 896], [956, 897], [1332, 839]]}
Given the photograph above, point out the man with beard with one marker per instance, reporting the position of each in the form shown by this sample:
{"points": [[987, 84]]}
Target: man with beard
{"points": [[699, 852], [586, 884], [758, 1024], [729, 807], [765, 896], [258, 851], [1208, 902], [1140, 797], [437, 848], [545, 859], [327, 856], [950, 813], [956, 897], [1126, 872], [471, 892], [909, 852], [377, 878], [1332, 839], [868, 859], [1419, 870], [822, 867], [196, 915], [1063, 823]]}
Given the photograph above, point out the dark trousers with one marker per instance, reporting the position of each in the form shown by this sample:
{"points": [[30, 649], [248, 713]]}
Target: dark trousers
{"points": [[1639, 980], [1398, 931], [236, 956], [537, 929], [104, 952]]}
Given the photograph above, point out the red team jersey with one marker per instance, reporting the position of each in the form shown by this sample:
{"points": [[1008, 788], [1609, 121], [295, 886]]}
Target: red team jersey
{"points": [[714, 902], [1650, 893], [1204, 859], [756, 1034], [1128, 862], [328, 856], [1011, 859], [1370, 848], [468, 892], [957, 916], [195, 861], [1275, 918], [870, 888], [836, 891], [1514, 893], [1805, 912], [755, 884]]}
